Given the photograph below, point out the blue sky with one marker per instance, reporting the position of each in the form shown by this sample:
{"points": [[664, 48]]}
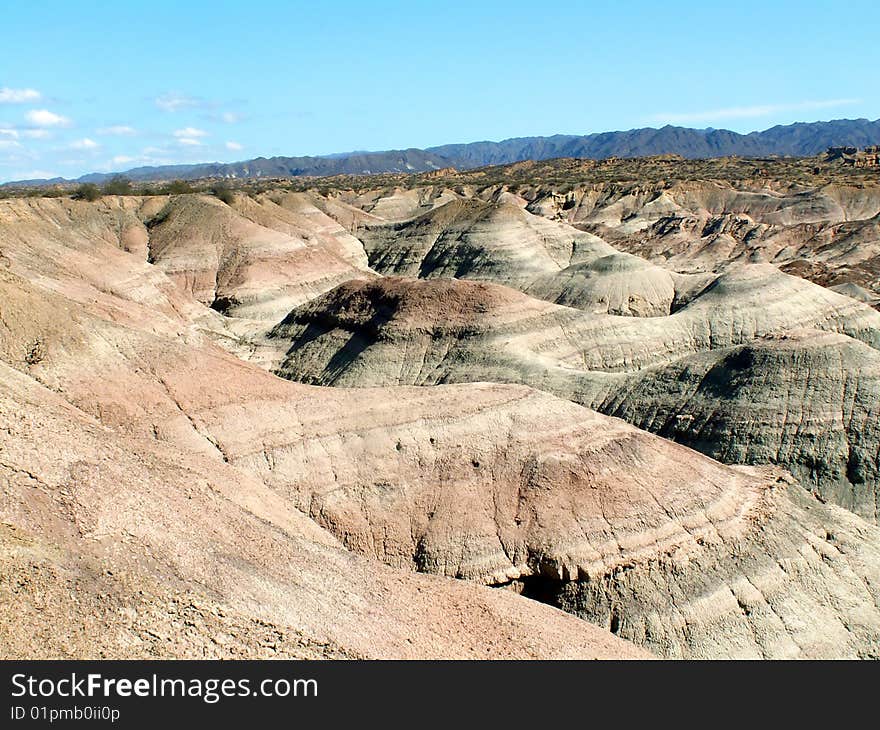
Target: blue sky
{"points": [[88, 86]]}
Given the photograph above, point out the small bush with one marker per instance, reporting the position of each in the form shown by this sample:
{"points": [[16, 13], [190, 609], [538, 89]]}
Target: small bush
{"points": [[223, 192], [87, 191], [118, 185], [157, 219], [178, 187]]}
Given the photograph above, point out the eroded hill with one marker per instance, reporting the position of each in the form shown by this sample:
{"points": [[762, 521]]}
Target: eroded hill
{"points": [[166, 492]]}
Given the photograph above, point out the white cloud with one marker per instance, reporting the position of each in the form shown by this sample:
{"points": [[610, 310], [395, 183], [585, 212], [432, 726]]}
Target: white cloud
{"points": [[119, 130], [190, 132], [121, 160], [231, 117], [235, 146], [45, 118], [84, 144], [8, 144], [173, 102], [27, 133], [749, 112], [190, 136], [18, 96]]}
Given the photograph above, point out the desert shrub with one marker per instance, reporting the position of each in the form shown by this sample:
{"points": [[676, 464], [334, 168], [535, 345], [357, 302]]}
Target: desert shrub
{"points": [[178, 187], [159, 218], [87, 191], [223, 192], [118, 185]]}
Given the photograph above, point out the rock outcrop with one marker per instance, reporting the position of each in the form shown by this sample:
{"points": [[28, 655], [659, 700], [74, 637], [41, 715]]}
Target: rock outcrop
{"points": [[502, 243], [807, 400], [730, 373], [824, 231], [243, 268]]}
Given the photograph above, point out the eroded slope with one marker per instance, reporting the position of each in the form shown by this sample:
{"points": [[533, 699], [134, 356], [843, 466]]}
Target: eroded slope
{"points": [[707, 375]]}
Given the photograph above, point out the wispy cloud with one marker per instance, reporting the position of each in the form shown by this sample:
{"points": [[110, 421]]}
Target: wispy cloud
{"points": [[750, 112], [190, 136], [118, 130], [174, 101], [227, 117], [147, 157], [18, 96], [45, 118], [190, 132], [16, 154], [8, 144], [234, 146], [84, 144], [24, 133]]}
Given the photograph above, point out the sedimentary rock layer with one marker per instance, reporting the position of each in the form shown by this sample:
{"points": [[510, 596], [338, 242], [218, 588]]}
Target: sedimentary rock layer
{"points": [[733, 373]]}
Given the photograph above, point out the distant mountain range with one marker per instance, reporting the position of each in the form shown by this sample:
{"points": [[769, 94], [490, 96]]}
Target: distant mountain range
{"points": [[803, 139], [793, 140]]}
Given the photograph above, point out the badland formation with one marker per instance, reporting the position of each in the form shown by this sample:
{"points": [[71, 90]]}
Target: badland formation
{"points": [[560, 408]]}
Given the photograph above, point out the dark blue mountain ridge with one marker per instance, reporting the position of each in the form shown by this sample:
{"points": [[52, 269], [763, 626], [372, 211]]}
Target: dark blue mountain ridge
{"points": [[802, 139]]}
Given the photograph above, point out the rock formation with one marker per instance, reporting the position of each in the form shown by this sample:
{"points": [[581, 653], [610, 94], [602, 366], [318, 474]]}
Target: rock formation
{"points": [[501, 242], [167, 495], [732, 373], [126, 533], [824, 231]]}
